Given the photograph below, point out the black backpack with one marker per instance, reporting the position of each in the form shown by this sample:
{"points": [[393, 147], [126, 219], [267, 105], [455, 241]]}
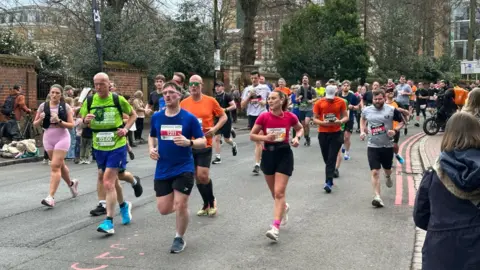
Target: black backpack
{"points": [[8, 106], [116, 103]]}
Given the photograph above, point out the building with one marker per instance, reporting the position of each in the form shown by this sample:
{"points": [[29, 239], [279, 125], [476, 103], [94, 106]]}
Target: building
{"points": [[42, 25], [460, 18]]}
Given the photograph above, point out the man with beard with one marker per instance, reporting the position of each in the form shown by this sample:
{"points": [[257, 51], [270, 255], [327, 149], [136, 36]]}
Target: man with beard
{"points": [[377, 121], [306, 97]]}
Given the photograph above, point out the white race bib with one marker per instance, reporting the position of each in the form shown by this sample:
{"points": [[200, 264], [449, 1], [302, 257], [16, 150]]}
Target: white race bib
{"points": [[280, 133], [106, 139], [168, 132]]}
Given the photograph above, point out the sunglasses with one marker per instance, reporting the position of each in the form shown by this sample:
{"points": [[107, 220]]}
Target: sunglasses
{"points": [[194, 84]]}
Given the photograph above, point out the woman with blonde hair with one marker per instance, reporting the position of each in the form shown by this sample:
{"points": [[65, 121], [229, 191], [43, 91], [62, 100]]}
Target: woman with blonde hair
{"points": [[472, 105], [448, 200], [139, 108]]}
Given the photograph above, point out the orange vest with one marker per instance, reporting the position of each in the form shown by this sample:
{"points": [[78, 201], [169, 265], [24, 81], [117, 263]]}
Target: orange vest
{"points": [[460, 95]]}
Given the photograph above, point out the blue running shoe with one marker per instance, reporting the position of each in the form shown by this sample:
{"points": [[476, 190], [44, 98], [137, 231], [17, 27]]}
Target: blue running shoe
{"points": [[126, 213], [327, 187], [400, 159], [106, 227]]}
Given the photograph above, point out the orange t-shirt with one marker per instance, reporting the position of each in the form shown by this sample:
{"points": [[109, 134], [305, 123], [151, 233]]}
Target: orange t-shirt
{"points": [[206, 109], [284, 90], [326, 109], [395, 105], [413, 96]]}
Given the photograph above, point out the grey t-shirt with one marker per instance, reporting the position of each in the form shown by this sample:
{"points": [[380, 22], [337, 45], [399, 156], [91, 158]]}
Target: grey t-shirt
{"points": [[304, 92], [254, 108], [401, 89], [379, 122]]}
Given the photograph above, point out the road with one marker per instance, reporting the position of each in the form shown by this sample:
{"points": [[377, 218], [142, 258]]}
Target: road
{"points": [[326, 231]]}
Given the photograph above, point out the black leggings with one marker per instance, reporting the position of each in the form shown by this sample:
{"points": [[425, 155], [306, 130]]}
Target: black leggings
{"points": [[139, 124], [330, 144], [421, 110]]}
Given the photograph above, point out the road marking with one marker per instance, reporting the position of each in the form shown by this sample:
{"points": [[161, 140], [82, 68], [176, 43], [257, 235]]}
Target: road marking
{"points": [[105, 256], [399, 176], [117, 246], [75, 266]]}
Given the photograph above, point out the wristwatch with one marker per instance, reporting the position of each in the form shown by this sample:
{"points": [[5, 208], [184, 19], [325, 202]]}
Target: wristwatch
{"points": [[299, 138]]}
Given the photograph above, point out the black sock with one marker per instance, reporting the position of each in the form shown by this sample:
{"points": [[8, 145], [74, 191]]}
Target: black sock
{"points": [[110, 218], [122, 204], [202, 190], [209, 189]]}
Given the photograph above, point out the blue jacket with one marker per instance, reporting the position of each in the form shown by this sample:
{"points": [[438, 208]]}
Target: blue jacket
{"points": [[447, 207]]}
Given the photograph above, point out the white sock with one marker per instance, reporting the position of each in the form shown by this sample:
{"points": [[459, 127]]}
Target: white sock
{"points": [[217, 155], [257, 164], [103, 203], [178, 235]]}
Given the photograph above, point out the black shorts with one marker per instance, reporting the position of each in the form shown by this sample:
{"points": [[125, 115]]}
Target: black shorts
{"points": [[182, 183], [380, 158], [396, 138], [226, 130], [277, 159], [251, 121], [349, 125], [202, 157], [305, 114]]}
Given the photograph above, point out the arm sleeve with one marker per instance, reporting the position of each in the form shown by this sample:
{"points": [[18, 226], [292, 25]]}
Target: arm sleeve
{"points": [[153, 129], [293, 119], [261, 119], [20, 102], [421, 210], [316, 108], [397, 115]]}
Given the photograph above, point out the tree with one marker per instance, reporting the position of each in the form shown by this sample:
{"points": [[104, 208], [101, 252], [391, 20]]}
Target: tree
{"points": [[323, 41], [11, 43]]}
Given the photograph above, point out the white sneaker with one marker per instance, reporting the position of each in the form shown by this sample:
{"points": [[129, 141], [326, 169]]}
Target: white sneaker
{"points": [[388, 181], [377, 201], [272, 233], [74, 188], [45, 161], [285, 215], [88, 161], [49, 201]]}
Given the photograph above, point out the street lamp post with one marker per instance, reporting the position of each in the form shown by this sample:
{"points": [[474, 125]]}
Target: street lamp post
{"points": [[216, 42]]}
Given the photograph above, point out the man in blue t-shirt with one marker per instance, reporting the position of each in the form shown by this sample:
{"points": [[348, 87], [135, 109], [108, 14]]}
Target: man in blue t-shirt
{"points": [[352, 106], [173, 134]]}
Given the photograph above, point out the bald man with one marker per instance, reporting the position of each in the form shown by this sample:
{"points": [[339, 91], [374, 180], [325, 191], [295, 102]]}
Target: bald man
{"points": [[206, 109], [104, 117]]}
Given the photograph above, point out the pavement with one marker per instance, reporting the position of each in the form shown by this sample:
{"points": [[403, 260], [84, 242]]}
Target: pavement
{"points": [[340, 230]]}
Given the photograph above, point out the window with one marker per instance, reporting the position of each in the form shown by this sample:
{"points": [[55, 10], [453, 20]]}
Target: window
{"points": [[31, 16], [460, 13], [460, 49], [23, 16], [268, 26], [268, 49], [461, 30]]}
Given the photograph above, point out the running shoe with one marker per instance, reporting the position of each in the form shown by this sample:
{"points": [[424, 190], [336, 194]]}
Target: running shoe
{"points": [[327, 187], [377, 201], [178, 245], [346, 156], [256, 170], [234, 149], [49, 201], [106, 227], [212, 211], [217, 160], [98, 211], [74, 188], [400, 159], [307, 141], [131, 155], [388, 181], [234, 134], [126, 213], [138, 189], [45, 161], [273, 233], [417, 124], [203, 211], [285, 215]]}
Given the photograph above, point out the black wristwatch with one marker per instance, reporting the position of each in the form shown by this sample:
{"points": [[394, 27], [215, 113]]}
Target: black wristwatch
{"points": [[299, 138], [191, 143]]}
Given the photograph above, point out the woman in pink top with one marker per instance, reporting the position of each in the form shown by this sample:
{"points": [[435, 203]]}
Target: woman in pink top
{"points": [[277, 156], [56, 117]]}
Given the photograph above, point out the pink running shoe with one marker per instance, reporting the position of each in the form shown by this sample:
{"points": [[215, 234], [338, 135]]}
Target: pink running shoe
{"points": [[49, 201], [74, 188]]}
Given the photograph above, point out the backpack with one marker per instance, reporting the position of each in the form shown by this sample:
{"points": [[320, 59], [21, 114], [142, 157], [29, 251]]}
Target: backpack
{"points": [[8, 106], [116, 103], [62, 113]]}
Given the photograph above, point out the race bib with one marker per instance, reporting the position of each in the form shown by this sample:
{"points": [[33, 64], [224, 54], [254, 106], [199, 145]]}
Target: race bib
{"points": [[280, 133], [106, 139], [168, 132], [331, 117], [378, 130]]}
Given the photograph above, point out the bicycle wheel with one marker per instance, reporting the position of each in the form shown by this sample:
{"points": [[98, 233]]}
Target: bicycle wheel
{"points": [[431, 127]]}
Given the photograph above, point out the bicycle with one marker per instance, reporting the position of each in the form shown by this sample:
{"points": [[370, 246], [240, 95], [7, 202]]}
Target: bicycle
{"points": [[29, 131]]}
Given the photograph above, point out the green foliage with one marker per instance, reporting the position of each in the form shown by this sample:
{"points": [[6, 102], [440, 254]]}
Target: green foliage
{"points": [[323, 41], [14, 44]]}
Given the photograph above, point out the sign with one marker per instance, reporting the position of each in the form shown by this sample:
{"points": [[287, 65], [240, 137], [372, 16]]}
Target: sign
{"points": [[470, 67]]}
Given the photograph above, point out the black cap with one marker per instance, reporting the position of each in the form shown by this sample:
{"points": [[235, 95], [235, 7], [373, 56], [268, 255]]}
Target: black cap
{"points": [[16, 87]]}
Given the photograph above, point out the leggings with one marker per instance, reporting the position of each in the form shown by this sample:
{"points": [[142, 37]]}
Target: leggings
{"points": [[56, 139], [330, 144]]}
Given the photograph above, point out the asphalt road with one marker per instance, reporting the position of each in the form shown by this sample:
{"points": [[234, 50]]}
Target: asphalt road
{"points": [[326, 231]]}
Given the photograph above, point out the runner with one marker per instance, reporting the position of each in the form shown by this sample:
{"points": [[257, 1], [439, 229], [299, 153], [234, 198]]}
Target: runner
{"points": [[109, 145], [56, 118], [378, 121], [413, 98], [205, 109], [254, 100], [319, 89], [336, 174], [169, 146], [352, 106], [421, 103], [228, 104], [404, 91], [329, 114], [389, 94], [283, 88], [306, 97], [277, 157]]}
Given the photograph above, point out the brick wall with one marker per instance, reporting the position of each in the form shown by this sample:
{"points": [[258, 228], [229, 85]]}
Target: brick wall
{"points": [[127, 79], [21, 71]]}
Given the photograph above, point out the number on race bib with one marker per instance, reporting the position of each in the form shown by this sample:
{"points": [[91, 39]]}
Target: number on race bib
{"points": [[168, 132], [106, 139], [280, 133], [378, 130]]}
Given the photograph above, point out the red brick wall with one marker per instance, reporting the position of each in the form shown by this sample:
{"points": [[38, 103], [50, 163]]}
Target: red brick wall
{"points": [[126, 81], [18, 70]]}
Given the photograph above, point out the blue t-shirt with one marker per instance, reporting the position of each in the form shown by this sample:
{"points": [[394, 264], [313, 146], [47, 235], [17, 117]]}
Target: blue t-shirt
{"points": [[174, 160], [295, 104], [161, 104], [351, 100]]}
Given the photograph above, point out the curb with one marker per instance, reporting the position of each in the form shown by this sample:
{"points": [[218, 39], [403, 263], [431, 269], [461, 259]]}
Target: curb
{"points": [[420, 234], [20, 161]]}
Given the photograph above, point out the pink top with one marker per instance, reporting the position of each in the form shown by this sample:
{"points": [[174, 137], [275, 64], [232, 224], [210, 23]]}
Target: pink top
{"points": [[278, 125], [53, 109]]}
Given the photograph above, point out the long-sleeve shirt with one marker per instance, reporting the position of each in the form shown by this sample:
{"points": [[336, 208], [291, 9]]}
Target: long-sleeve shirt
{"points": [[19, 107]]}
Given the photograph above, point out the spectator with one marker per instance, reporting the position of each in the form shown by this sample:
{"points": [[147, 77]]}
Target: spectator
{"points": [[139, 107], [71, 150], [69, 91], [447, 203]]}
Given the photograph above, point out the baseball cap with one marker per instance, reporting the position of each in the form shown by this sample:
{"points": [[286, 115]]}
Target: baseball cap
{"points": [[330, 91]]}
